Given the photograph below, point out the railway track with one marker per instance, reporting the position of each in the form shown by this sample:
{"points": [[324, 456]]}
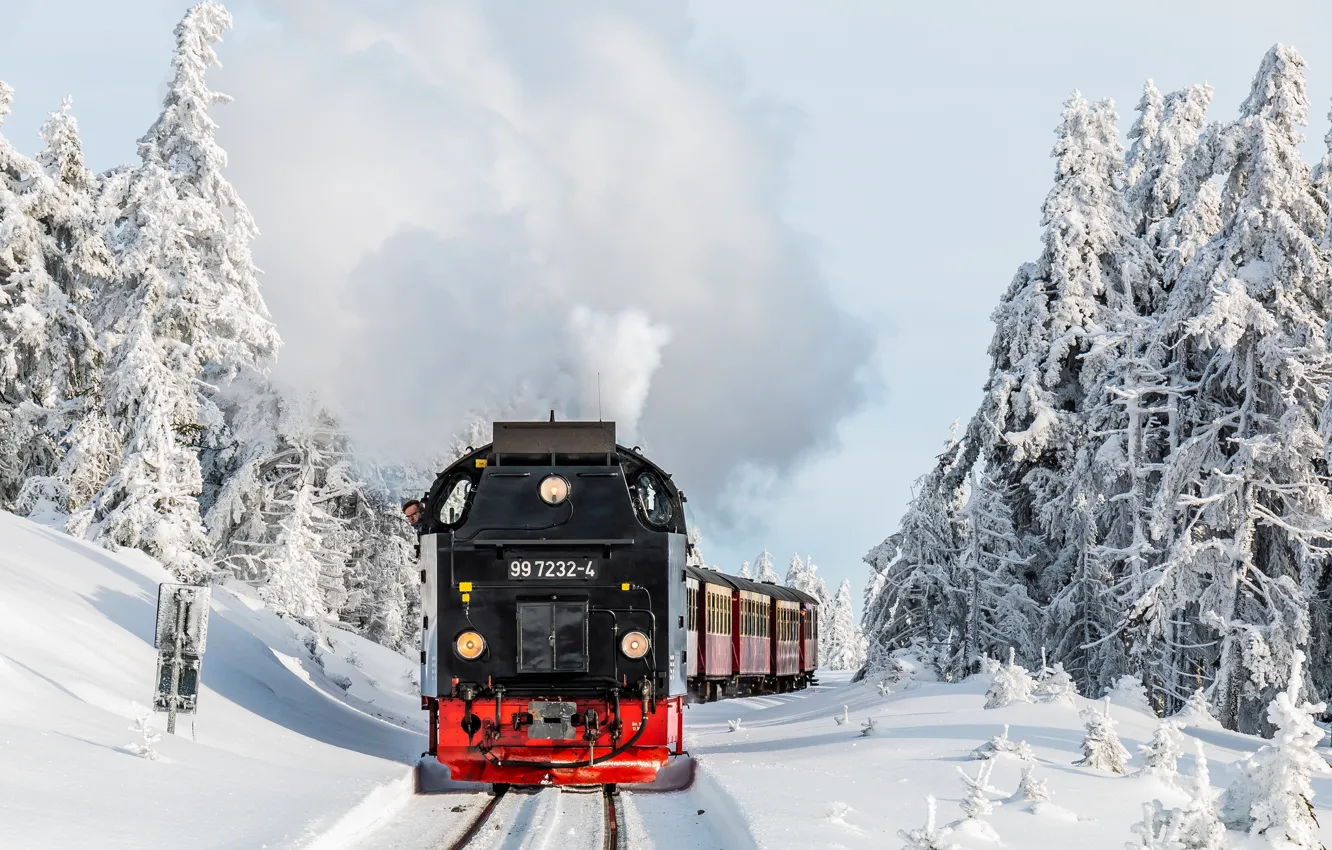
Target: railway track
{"points": [[546, 819]]}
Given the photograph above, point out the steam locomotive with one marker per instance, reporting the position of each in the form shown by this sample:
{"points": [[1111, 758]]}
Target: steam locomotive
{"points": [[562, 627]]}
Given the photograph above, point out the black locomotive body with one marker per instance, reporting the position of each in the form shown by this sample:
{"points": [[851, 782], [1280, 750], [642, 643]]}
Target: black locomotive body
{"points": [[554, 609]]}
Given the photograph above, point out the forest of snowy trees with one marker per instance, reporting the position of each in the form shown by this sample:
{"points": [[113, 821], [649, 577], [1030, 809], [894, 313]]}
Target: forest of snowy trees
{"points": [[1144, 488], [134, 346]]}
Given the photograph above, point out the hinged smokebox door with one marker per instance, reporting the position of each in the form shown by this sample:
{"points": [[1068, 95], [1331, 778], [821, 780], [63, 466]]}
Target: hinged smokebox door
{"points": [[552, 637]]}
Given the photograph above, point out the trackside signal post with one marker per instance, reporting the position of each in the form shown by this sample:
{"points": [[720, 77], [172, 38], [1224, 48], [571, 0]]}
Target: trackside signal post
{"points": [[182, 632]]}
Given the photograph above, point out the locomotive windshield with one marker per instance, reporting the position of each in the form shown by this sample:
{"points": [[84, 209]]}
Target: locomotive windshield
{"points": [[454, 505], [653, 501]]}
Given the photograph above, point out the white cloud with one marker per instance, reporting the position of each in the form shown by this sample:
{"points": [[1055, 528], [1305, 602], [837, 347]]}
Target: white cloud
{"points": [[469, 203]]}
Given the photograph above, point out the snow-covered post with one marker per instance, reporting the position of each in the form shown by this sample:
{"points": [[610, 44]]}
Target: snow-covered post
{"points": [[1101, 748]]}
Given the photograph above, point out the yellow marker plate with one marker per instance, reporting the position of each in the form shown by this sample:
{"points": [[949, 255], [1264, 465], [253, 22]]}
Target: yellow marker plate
{"points": [[624, 586], [467, 597], [465, 586], [481, 463]]}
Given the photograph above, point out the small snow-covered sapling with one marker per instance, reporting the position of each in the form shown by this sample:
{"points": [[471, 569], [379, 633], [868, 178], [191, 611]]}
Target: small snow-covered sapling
{"points": [[1010, 683], [928, 837], [843, 718], [1158, 829], [733, 725], [1160, 755], [1055, 685], [1272, 791], [1000, 745], [868, 727], [1196, 712], [1100, 745], [884, 689], [1030, 788], [975, 803], [148, 736], [1199, 826]]}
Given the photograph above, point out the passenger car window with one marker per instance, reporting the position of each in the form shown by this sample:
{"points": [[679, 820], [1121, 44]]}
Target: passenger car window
{"points": [[653, 501]]}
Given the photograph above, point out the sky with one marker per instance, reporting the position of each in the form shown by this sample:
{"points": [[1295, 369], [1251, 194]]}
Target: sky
{"points": [[774, 229]]}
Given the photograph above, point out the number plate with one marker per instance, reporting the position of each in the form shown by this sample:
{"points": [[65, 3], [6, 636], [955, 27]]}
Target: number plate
{"points": [[552, 569]]}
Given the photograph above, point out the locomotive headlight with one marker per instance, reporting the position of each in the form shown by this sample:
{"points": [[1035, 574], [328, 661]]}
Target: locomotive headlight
{"points": [[554, 489], [469, 645], [635, 645]]}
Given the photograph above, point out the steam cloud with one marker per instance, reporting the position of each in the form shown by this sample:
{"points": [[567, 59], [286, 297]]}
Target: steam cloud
{"points": [[478, 206]]}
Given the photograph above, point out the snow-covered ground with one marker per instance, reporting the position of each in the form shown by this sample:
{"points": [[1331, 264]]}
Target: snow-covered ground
{"points": [[277, 754], [800, 780], [280, 756]]}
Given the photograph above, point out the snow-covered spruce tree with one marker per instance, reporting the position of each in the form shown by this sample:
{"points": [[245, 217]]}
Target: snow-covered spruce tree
{"points": [[745, 572], [80, 265], [185, 315], [1000, 615], [1030, 788], [1322, 180], [1196, 712], [803, 575], [282, 517], [1272, 793], [382, 579], [1243, 506], [845, 641], [1142, 135], [1009, 683], [914, 598], [975, 801], [764, 568], [52, 262], [1101, 748], [1160, 755], [1199, 826], [928, 837]]}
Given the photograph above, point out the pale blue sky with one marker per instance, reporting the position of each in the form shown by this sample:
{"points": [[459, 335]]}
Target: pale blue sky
{"points": [[909, 149]]}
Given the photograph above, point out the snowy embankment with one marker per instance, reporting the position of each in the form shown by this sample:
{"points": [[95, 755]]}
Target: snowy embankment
{"points": [[277, 755], [800, 780]]}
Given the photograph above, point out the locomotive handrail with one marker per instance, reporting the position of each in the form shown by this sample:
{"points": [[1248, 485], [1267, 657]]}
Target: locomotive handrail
{"points": [[558, 541]]}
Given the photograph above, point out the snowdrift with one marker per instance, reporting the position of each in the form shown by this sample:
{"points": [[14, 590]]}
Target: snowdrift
{"points": [[291, 733]]}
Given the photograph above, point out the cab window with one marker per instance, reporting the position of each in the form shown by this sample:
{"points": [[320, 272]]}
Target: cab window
{"points": [[455, 504], [653, 502]]}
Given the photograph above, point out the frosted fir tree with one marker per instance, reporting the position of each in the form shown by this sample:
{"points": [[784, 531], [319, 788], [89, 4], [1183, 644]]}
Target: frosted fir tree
{"points": [[145, 747], [1160, 755], [975, 801], [1158, 829], [1010, 683], [1196, 712], [1053, 684], [845, 641], [764, 567], [1248, 319], [1101, 748], [745, 572], [1030, 788], [930, 836], [56, 458], [916, 595], [1000, 745], [1143, 133], [1199, 827], [999, 614], [1129, 692], [1272, 791], [186, 314]]}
